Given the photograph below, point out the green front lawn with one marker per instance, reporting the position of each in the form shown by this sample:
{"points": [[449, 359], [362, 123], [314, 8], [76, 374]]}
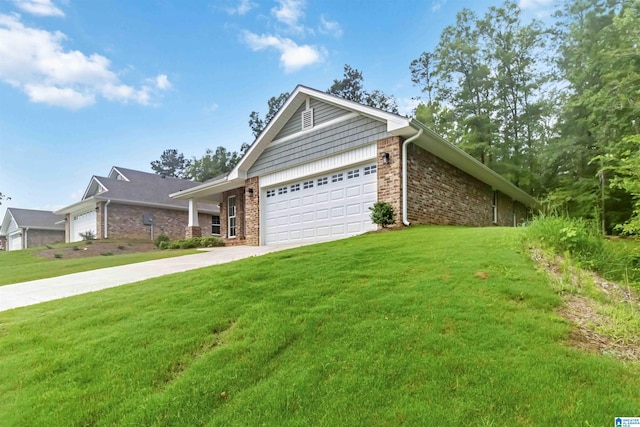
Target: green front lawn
{"points": [[24, 265], [426, 326]]}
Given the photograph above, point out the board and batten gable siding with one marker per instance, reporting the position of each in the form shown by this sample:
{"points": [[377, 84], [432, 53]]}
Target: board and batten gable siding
{"points": [[316, 144], [322, 113]]}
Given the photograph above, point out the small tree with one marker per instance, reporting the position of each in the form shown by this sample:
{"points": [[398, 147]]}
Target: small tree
{"points": [[382, 213]]}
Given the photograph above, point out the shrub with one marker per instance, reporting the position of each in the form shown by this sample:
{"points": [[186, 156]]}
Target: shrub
{"points": [[88, 235], [161, 238], [57, 256], [122, 247], [75, 248], [210, 242], [382, 213], [106, 253], [193, 242]]}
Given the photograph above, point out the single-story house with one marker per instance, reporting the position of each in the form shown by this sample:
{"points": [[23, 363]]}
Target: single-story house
{"points": [[131, 204], [322, 161], [28, 228]]}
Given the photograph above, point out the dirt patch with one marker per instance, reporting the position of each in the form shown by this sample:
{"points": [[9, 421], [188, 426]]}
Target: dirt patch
{"points": [[585, 313], [96, 248]]}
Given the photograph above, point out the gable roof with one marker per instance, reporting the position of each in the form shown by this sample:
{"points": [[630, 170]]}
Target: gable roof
{"points": [[129, 186], [31, 218], [396, 125]]}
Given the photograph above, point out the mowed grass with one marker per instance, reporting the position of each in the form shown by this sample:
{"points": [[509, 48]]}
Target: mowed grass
{"points": [[24, 265], [384, 329]]}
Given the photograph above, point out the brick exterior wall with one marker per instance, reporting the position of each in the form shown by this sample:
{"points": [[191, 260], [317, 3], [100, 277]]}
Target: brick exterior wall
{"points": [[240, 215], [390, 175], [125, 222], [67, 228], [252, 212], [43, 237], [3, 243]]}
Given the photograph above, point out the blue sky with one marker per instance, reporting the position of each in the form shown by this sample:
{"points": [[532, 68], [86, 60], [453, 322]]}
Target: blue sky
{"points": [[89, 84]]}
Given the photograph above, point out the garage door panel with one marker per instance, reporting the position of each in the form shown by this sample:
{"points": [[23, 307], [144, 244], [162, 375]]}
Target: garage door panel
{"points": [[83, 223], [15, 242], [322, 207]]}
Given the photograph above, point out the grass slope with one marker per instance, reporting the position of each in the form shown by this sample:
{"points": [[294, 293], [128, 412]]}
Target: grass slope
{"points": [[383, 329], [24, 265]]}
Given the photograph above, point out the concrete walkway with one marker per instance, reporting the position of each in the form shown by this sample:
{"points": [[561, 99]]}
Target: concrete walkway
{"points": [[37, 291]]}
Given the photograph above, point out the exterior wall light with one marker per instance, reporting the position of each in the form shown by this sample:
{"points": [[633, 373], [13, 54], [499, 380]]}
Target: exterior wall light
{"points": [[385, 158], [250, 192]]}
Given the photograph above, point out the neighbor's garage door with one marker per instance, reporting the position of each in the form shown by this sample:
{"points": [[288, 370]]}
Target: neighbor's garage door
{"points": [[324, 207], [15, 242], [83, 223]]}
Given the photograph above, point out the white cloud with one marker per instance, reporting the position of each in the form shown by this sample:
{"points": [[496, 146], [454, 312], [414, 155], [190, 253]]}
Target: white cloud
{"points": [[243, 7], [436, 5], [289, 12], [162, 82], [36, 62], [406, 106], [292, 56], [330, 27], [39, 7], [212, 108], [534, 4]]}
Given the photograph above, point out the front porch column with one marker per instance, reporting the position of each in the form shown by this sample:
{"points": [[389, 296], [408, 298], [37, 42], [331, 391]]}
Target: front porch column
{"points": [[193, 227]]}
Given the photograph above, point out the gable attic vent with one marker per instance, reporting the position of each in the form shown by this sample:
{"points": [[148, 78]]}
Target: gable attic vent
{"points": [[307, 119]]}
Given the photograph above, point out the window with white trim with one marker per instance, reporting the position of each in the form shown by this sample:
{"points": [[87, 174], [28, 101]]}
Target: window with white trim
{"points": [[307, 184], [271, 193], [370, 170], [282, 190], [231, 213], [353, 174], [295, 187], [337, 177], [215, 224], [322, 181]]}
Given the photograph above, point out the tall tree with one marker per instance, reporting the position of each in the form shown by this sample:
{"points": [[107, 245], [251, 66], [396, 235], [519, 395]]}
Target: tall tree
{"points": [[213, 164], [484, 91], [600, 61], [256, 123], [351, 87], [3, 197], [172, 163]]}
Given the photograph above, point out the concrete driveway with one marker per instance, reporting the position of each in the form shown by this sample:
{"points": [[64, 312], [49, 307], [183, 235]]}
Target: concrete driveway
{"points": [[37, 291]]}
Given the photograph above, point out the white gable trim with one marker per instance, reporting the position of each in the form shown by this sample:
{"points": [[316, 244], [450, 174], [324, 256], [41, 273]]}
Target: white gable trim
{"points": [[340, 161], [318, 127], [115, 169]]}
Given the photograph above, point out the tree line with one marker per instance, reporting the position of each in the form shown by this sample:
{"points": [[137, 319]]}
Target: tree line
{"points": [[553, 107]]}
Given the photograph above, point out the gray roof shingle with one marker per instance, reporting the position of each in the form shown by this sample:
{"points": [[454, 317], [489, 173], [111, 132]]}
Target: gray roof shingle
{"points": [[37, 219]]}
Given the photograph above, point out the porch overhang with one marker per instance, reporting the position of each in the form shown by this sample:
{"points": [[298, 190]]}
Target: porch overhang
{"points": [[210, 192]]}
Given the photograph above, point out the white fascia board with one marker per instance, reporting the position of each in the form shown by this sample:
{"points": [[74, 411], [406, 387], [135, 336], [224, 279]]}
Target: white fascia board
{"points": [[86, 191], [80, 206], [6, 221], [119, 173], [209, 190]]}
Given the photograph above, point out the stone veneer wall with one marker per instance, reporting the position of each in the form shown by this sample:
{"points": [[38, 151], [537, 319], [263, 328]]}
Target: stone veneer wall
{"points": [[67, 228], [44, 237], [252, 212], [224, 218], [125, 222], [390, 176]]}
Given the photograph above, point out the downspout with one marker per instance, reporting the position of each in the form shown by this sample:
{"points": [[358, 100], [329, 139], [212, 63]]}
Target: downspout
{"points": [[405, 221], [26, 238], [106, 216]]}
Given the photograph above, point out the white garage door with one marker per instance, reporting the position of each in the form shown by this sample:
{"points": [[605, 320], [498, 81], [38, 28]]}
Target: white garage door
{"points": [[15, 242], [324, 207], [83, 223]]}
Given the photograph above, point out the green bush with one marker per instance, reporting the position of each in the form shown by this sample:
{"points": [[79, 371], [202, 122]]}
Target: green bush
{"points": [[382, 213], [194, 242], [160, 239], [582, 240], [88, 235]]}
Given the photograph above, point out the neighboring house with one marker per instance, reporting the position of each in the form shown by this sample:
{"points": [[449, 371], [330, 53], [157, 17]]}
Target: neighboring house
{"points": [[27, 228], [318, 166], [130, 204]]}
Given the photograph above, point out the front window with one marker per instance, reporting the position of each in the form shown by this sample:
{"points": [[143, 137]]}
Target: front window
{"points": [[231, 210], [215, 224]]}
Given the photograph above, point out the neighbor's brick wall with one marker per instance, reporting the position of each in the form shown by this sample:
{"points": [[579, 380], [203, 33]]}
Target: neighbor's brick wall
{"points": [[125, 222], [224, 218], [390, 175], [3, 243], [439, 193], [44, 237], [252, 212]]}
